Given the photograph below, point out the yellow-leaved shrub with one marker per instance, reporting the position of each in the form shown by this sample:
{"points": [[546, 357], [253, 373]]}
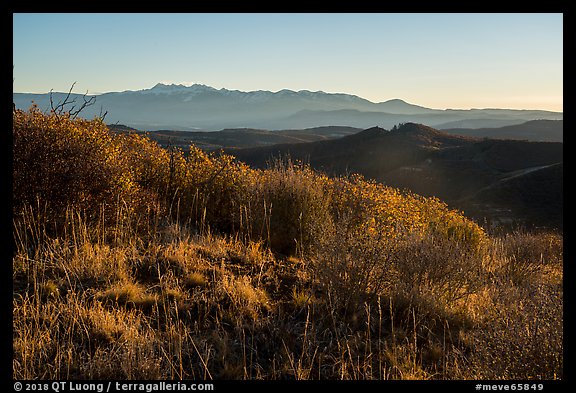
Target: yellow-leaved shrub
{"points": [[75, 162]]}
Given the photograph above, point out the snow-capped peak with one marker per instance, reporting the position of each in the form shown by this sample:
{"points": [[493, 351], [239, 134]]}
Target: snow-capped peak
{"points": [[161, 88]]}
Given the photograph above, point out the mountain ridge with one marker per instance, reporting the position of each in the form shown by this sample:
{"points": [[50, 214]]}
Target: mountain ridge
{"points": [[198, 106]]}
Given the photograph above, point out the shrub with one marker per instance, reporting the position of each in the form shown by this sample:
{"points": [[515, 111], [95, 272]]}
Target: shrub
{"points": [[64, 162], [214, 190], [521, 336], [438, 267], [290, 206]]}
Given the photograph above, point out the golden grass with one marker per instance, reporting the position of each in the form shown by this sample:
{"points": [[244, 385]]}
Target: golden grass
{"points": [[198, 267], [270, 318]]}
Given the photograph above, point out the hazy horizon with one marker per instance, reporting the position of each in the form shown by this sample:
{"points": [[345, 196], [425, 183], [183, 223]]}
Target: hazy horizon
{"points": [[273, 91], [440, 61]]}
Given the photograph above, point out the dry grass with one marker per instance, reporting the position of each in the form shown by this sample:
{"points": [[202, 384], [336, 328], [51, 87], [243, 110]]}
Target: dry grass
{"points": [[205, 306], [200, 268]]}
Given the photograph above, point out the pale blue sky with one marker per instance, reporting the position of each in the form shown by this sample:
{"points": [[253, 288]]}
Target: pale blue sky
{"points": [[435, 60]]}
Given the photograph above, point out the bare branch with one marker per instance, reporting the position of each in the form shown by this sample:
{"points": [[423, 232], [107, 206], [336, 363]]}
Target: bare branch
{"points": [[52, 102], [102, 116], [86, 103], [60, 109]]}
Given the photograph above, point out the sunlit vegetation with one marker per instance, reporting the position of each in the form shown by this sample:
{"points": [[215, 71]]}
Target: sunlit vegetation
{"points": [[134, 261]]}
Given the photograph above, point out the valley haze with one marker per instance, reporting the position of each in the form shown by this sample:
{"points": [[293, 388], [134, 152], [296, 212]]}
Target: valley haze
{"points": [[201, 107]]}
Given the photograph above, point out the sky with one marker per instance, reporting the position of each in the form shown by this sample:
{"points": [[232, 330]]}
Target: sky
{"points": [[457, 61]]}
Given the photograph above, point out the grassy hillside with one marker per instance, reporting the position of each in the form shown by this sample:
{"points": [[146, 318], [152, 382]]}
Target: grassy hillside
{"points": [[137, 262], [537, 193], [430, 162]]}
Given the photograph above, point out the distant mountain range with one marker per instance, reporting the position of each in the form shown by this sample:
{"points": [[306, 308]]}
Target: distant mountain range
{"points": [[200, 107], [534, 130], [498, 180]]}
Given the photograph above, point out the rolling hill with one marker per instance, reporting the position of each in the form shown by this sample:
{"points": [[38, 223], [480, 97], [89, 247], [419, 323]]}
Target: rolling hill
{"points": [[239, 137], [458, 169], [535, 130]]}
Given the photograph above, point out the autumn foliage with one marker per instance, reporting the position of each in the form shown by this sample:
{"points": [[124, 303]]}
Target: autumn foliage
{"points": [[136, 261], [64, 162]]}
